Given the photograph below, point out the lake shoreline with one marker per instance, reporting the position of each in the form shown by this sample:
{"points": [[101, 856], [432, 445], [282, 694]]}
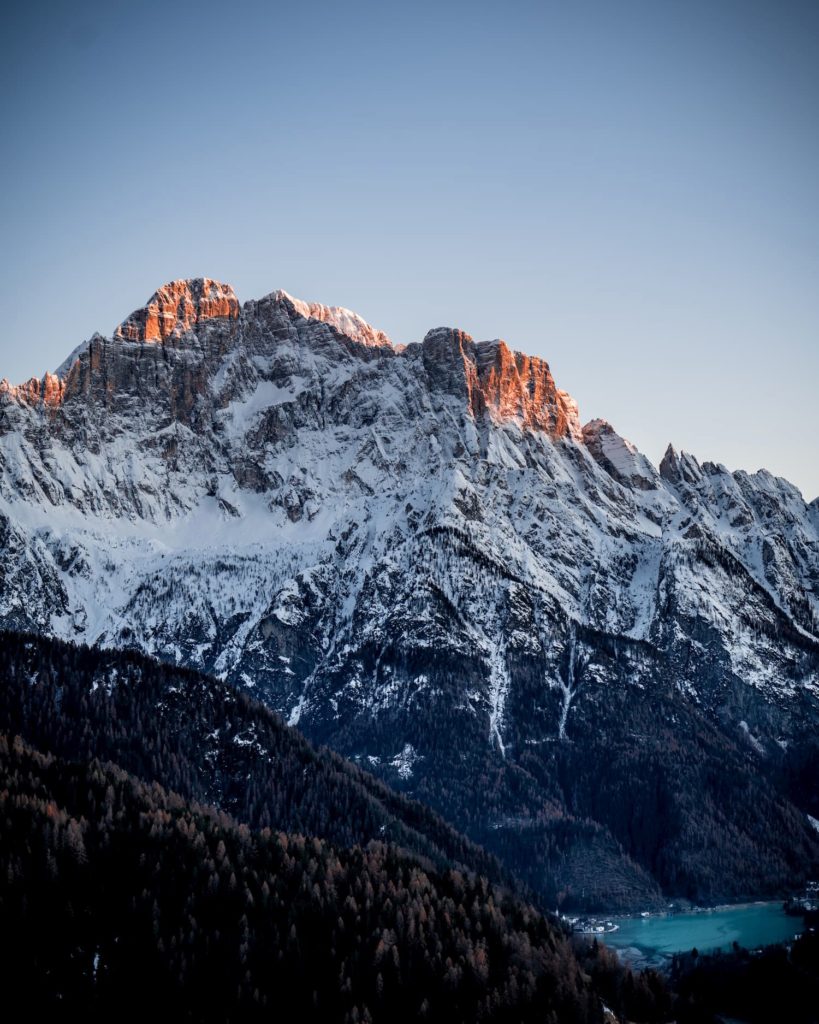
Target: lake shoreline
{"points": [[793, 905], [653, 939], [604, 924]]}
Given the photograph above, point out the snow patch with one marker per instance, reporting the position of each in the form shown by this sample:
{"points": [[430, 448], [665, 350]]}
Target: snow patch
{"points": [[404, 762]]}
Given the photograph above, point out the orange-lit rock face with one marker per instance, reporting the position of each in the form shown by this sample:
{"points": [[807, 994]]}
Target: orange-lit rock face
{"points": [[517, 386], [499, 383], [177, 307], [50, 391]]}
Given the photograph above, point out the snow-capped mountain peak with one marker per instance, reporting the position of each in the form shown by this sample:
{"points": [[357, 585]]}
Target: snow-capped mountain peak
{"points": [[369, 535], [619, 457], [345, 320]]}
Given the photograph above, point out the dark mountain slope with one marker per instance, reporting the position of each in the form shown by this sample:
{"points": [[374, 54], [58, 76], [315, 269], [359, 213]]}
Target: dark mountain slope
{"points": [[209, 743], [642, 792], [595, 820], [123, 900]]}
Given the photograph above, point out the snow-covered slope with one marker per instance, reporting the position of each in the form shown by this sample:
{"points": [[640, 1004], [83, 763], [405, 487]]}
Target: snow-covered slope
{"points": [[372, 536]]}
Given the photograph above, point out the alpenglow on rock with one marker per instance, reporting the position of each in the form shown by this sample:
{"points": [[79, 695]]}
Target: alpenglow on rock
{"points": [[419, 555], [178, 308]]}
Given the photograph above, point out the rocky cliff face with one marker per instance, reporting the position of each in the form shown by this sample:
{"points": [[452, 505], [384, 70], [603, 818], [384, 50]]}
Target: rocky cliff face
{"points": [[418, 555], [177, 308]]}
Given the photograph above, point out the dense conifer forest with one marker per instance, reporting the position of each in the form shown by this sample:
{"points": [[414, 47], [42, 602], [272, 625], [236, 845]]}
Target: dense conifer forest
{"points": [[779, 983], [168, 847], [210, 743], [119, 894]]}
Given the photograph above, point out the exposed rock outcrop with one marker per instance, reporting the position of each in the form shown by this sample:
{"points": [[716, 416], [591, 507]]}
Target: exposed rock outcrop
{"points": [[177, 308]]}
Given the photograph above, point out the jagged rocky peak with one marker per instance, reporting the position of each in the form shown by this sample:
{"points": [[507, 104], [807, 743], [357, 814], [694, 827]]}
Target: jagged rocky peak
{"points": [[497, 381], [679, 468], [177, 307], [618, 456], [344, 320], [49, 391], [669, 465]]}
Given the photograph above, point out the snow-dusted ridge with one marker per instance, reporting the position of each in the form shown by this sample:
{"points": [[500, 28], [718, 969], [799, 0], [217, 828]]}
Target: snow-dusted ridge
{"points": [[277, 493], [344, 320]]}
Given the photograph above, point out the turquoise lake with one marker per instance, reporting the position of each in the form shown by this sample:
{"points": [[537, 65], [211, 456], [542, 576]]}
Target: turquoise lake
{"points": [[751, 925]]}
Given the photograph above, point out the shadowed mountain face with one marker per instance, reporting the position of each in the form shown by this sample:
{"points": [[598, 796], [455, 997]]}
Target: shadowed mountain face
{"points": [[211, 744], [607, 674], [115, 891]]}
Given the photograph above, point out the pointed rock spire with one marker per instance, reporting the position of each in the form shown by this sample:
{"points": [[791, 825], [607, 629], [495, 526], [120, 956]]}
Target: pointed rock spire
{"points": [[670, 465]]}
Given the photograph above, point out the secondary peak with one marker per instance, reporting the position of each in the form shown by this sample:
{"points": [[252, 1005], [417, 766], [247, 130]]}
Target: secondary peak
{"points": [[178, 306]]}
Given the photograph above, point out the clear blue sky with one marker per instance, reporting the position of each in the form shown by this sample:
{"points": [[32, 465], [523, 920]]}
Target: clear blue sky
{"points": [[629, 189]]}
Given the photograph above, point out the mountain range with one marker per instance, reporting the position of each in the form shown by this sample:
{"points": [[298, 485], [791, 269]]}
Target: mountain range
{"points": [[604, 673]]}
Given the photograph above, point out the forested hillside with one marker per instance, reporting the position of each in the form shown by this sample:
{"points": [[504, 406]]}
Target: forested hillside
{"points": [[210, 743], [673, 807], [120, 897]]}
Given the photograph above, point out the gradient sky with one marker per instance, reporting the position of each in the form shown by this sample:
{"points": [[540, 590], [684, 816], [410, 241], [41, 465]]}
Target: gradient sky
{"points": [[629, 189]]}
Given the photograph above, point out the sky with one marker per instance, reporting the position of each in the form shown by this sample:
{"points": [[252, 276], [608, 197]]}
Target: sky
{"points": [[629, 190]]}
